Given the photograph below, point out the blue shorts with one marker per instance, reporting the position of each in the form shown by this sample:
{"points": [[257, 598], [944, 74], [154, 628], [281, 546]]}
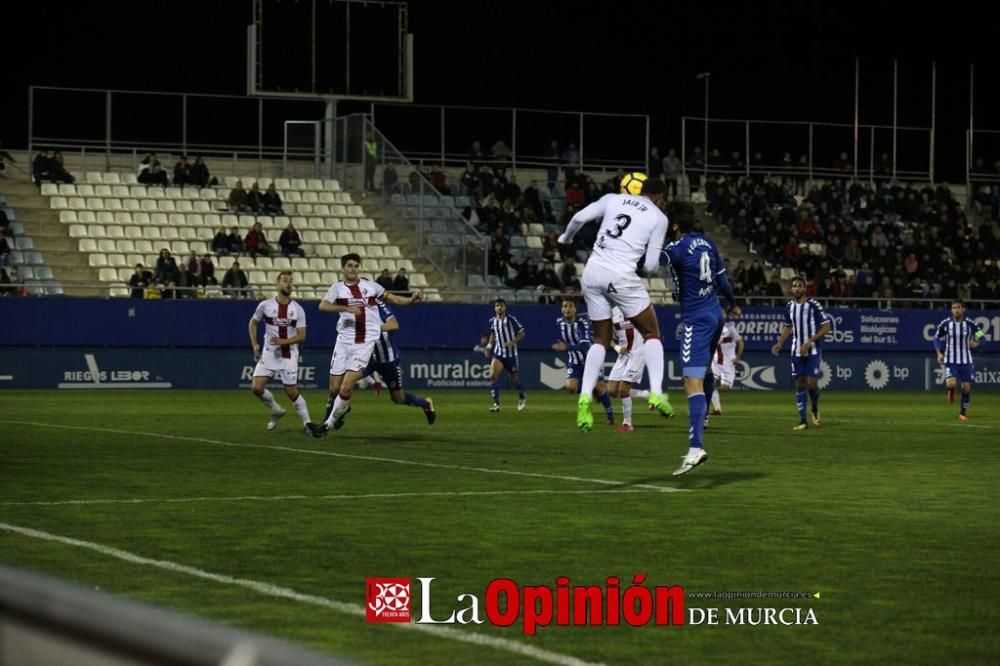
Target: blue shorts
{"points": [[806, 366], [509, 363], [575, 371], [391, 373], [699, 335], [963, 372]]}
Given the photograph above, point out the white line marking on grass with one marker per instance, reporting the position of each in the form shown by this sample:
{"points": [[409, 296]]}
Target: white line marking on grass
{"points": [[270, 590], [970, 425], [283, 498], [396, 461]]}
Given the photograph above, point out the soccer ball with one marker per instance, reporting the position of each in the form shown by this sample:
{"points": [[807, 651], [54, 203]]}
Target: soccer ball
{"points": [[631, 183]]}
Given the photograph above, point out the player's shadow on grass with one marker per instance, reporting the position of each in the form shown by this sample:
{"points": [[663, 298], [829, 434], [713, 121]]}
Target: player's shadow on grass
{"points": [[702, 478]]}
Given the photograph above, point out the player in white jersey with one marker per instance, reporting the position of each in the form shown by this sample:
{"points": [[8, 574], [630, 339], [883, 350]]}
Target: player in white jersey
{"points": [[358, 329], [628, 368], [728, 353], [632, 229], [284, 329]]}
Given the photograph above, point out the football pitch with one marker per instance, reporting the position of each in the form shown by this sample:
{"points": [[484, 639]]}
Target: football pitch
{"points": [[887, 518]]}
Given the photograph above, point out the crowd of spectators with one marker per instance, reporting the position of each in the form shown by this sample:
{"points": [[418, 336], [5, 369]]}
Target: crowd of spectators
{"points": [[887, 240]]}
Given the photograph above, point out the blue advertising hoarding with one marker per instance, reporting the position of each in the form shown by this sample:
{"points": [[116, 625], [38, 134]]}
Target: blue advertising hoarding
{"points": [[88, 368]]}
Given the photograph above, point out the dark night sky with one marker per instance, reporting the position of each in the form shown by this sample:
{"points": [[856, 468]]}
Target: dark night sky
{"points": [[769, 59]]}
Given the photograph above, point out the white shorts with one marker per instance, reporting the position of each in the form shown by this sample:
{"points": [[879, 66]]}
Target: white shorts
{"points": [[724, 373], [350, 356], [284, 369], [603, 288], [629, 367]]}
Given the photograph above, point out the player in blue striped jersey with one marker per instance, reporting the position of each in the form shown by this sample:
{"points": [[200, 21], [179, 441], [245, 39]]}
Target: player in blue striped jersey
{"points": [[807, 323], [954, 341], [575, 338], [700, 277], [505, 333], [386, 362]]}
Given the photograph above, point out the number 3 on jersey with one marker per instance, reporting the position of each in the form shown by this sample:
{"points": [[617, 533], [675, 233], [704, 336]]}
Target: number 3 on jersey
{"points": [[623, 222], [705, 268]]}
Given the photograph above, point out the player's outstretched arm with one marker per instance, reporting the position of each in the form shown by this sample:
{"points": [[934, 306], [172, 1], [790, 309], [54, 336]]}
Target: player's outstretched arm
{"points": [[655, 245], [396, 299], [587, 214]]}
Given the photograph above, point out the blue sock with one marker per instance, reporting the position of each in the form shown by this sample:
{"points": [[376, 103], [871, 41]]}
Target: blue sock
{"points": [[965, 402], [814, 398], [495, 392], [415, 401], [800, 401], [697, 408], [709, 385], [329, 407], [608, 409], [520, 391]]}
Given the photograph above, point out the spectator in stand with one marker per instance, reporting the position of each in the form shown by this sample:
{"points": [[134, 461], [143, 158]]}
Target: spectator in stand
{"points": [[5, 288], [235, 282], [571, 160], [5, 248], [569, 275], [182, 172], [695, 168], [290, 242], [550, 247], [192, 276], [552, 156], [199, 173], [401, 283], [510, 272], [236, 245], [528, 274], [166, 268], [755, 275], [739, 274], [501, 154], [238, 199], [775, 290], [416, 182], [655, 161], [169, 290], [385, 279], [255, 198], [547, 276], [390, 180], [57, 170], [371, 162], [207, 271], [17, 287], [470, 181], [41, 166], [439, 180], [151, 172], [220, 244], [476, 155], [671, 170], [256, 242], [139, 281], [272, 201]]}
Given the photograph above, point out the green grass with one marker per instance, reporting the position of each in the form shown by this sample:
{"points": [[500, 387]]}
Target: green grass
{"points": [[889, 510]]}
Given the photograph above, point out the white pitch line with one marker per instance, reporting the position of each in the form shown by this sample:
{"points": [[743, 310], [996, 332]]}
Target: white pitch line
{"points": [[282, 498], [270, 590], [396, 461]]}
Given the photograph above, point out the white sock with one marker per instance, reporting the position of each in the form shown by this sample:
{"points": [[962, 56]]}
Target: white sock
{"points": [[268, 399], [627, 410], [638, 393], [716, 401], [653, 350], [300, 406], [592, 368], [339, 407]]}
